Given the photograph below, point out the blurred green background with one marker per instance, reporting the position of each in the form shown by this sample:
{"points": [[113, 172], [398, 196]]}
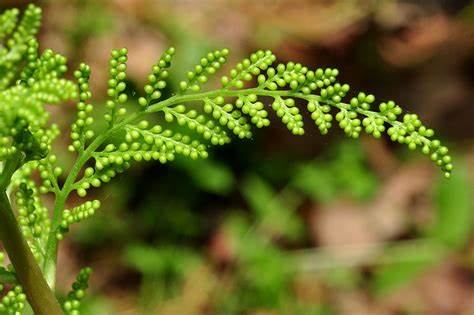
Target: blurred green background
{"points": [[282, 224]]}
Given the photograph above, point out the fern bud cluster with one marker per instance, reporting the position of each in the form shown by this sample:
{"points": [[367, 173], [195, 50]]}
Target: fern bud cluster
{"points": [[227, 116], [158, 139], [76, 214], [23, 117], [32, 215], [250, 105], [80, 129], [13, 302], [208, 65], [248, 68], [73, 301], [197, 122], [157, 78], [117, 85]]}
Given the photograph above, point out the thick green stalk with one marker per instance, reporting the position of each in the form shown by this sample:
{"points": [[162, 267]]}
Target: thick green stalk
{"points": [[39, 294]]}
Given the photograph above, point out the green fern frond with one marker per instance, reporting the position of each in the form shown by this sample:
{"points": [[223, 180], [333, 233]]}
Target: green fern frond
{"points": [[13, 302], [208, 65], [73, 301], [33, 217], [117, 86], [23, 118], [17, 42], [8, 21], [164, 140], [209, 129], [234, 108], [80, 129], [249, 105], [76, 214], [156, 79]]}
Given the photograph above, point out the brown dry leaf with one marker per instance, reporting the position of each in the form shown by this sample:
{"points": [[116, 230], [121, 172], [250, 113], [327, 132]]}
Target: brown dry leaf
{"points": [[388, 212], [341, 224], [194, 297], [308, 288], [355, 303], [310, 20], [418, 43], [346, 223], [264, 312], [381, 159], [222, 248], [441, 290]]}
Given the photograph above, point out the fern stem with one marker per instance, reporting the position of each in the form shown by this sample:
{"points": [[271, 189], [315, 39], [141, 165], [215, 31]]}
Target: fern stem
{"points": [[178, 99], [39, 294], [50, 261]]}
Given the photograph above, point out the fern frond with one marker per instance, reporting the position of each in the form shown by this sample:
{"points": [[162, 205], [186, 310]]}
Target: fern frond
{"points": [[208, 65], [250, 106], [156, 79], [289, 114], [209, 129], [80, 129], [248, 68], [17, 45], [73, 301], [8, 21], [165, 139], [33, 217], [26, 136], [76, 214], [227, 116], [13, 302], [284, 84]]}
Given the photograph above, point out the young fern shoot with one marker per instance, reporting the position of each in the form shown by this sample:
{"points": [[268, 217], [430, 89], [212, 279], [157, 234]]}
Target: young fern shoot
{"points": [[208, 117]]}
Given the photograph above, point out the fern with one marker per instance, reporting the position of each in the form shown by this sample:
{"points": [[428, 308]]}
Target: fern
{"points": [[73, 300], [230, 109], [207, 117]]}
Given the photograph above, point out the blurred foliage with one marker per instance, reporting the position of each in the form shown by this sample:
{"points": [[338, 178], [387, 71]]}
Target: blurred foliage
{"points": [[344, 172]]}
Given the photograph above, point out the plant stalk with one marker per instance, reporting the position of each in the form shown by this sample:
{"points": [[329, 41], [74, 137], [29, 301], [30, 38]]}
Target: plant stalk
{"points": [[37, 291]]}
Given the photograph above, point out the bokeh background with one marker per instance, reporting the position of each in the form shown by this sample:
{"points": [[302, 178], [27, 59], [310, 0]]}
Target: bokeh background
{"points": [[283, 224]]}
